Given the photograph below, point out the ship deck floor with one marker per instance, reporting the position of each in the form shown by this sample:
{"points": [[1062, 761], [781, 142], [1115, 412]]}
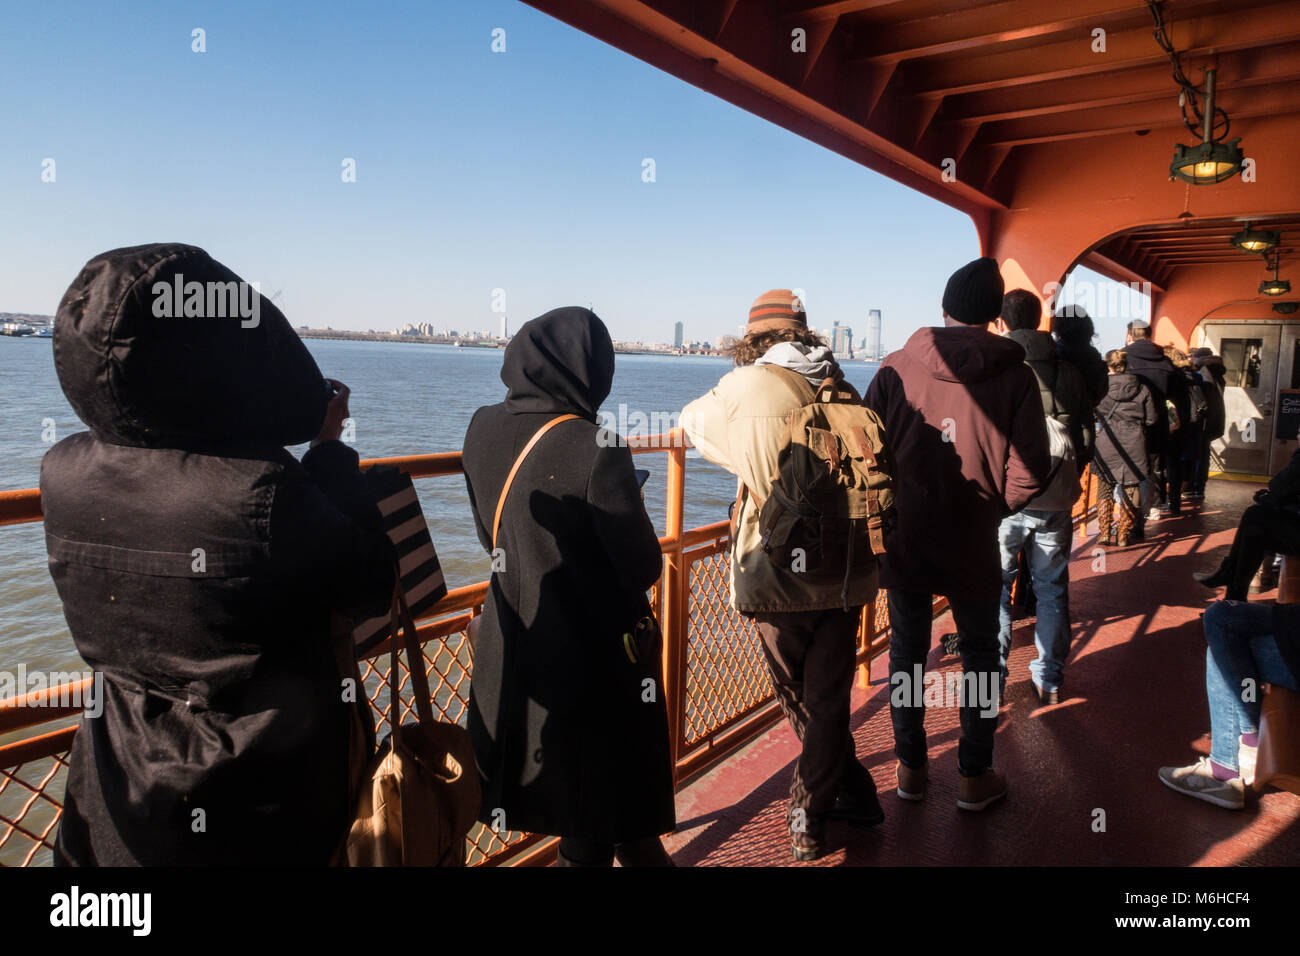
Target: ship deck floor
{"points": [[1133, 700]]}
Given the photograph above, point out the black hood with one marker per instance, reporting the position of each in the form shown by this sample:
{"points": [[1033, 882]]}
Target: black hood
{"points": [[1122, 387], [559, 362], [1147, 351], [139, 372], [1038, 346]]}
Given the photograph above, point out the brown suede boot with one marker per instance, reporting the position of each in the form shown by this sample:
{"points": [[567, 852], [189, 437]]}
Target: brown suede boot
{"points": [[912, 781], [976, 793]]}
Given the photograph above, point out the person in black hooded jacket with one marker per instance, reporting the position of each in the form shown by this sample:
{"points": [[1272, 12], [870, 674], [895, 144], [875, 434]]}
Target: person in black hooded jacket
{"points": [[1074, 332], [1123, 419], [206, 575], [567, 711], [1148, 362]]}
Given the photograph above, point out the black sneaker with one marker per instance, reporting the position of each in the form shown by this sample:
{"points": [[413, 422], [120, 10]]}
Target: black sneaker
{"points": [[859, 809], [1217, 578]]}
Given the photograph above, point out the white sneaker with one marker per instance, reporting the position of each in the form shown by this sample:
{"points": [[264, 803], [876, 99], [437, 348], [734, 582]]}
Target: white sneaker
{"points": [[1246, 763], [1153, 514], [1198, 781]]}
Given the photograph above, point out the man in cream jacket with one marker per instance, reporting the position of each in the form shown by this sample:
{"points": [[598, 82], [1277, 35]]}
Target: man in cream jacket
{"points": [[809, 638]]}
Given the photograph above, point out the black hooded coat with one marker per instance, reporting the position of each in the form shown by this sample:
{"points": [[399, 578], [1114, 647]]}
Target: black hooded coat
{"points": [[570, 734], [1129, 412], [199, 564], [1147, 361]]}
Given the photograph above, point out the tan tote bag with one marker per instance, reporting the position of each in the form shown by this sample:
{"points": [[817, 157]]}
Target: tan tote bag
{"points": [[421, 794]]}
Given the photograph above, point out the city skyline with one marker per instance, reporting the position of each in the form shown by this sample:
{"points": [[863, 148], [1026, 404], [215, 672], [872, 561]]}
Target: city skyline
{"points": [[439, 176]]}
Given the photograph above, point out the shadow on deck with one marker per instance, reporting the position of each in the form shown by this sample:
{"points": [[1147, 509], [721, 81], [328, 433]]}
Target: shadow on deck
{"points": [[1133, 700]]}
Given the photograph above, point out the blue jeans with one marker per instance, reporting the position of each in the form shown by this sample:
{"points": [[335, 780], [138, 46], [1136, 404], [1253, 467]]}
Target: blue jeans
{"points": [[1045, 537], [1241, 648]]}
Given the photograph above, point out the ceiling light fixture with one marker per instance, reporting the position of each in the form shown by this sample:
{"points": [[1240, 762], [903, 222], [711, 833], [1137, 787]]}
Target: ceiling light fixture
{"points": [[1275, 286], [1213, 159], [1256, 240]]}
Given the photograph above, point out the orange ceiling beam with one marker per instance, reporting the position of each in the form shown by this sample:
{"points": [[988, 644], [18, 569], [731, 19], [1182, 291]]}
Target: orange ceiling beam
{"points": [[1042, 128]]}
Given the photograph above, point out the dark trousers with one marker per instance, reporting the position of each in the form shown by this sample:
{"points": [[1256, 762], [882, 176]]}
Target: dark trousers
{"points": [[1263, 530], [1201, 474], [911, 622], [1173, 489], [811, 656]]}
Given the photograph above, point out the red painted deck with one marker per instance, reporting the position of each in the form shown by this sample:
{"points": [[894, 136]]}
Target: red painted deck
{"points": [[1133, 700]]}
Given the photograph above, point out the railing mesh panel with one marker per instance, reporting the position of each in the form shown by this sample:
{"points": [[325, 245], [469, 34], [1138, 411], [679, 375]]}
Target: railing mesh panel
{"points": [[31, 796], [726, 675]]}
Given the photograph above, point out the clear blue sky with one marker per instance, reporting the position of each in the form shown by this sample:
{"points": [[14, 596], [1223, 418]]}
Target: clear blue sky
{"points": [[475, 171]]}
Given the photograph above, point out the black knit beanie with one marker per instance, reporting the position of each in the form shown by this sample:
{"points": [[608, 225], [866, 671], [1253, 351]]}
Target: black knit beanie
{"points": [[973, 295]]}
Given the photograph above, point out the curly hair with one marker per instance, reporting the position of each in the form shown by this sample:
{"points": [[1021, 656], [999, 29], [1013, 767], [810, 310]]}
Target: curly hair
{"points": [[752, 347]]}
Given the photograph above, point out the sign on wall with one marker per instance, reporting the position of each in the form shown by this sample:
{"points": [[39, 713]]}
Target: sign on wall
{"points": [[1288, 413]]}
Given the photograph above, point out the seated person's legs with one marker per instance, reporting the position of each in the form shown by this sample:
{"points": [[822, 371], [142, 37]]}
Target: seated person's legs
{"points": [[1242, 654], [1256, 535]]}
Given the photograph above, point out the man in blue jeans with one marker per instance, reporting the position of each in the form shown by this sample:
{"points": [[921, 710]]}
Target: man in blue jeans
{"points": [[1042, 529], [1044, 535], [1249, 645]]}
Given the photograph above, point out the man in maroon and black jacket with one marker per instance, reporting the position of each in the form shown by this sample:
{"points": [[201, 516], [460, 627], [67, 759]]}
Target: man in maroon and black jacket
{"points": [[970, 446]]}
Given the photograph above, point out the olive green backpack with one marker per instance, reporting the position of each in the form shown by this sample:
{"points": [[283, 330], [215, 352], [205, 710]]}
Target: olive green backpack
{"points": [[833, 491]]}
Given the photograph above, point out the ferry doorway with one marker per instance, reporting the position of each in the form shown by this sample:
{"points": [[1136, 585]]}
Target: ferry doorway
{"points": [[1261, 396]]}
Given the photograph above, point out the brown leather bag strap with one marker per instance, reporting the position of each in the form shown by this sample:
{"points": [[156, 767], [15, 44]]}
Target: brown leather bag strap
{"points": [[415, 661], [837, 391], [514, 469], [402, 630], [864, 446], [875, 524], [394, 669]]}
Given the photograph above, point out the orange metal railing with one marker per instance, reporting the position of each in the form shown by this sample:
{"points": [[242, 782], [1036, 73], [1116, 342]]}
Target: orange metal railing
{"points": [[715, 680]]}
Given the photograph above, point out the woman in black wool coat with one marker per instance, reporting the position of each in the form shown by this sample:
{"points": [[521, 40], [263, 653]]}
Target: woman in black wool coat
{"points": [[199, 564], [570, 733]]}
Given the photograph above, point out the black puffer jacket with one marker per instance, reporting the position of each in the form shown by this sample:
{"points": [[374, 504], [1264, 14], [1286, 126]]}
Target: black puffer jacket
{"points": [[1123, 419], [570, 733], [1062, 389], [198, 563]]}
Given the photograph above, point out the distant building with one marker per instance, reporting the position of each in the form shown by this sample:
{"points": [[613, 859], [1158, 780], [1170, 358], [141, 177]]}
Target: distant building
{"points": [[677, 336], [871, 344], [504, 327], [841, 340]]}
